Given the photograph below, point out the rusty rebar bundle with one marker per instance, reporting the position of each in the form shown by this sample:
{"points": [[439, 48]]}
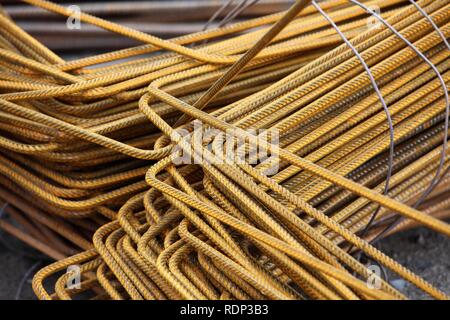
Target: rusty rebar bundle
{"points": [[251, 161]]}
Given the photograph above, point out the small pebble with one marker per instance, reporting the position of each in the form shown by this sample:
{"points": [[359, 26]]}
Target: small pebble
{"points": [[421, 239]]}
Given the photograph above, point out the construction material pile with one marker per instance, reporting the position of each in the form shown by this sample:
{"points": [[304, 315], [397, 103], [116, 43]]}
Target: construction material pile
{"points": [[164, 19], [253, 161]]}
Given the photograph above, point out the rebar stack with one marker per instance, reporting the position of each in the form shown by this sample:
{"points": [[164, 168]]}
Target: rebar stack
{"points": [[160, 18], [90, 149]]}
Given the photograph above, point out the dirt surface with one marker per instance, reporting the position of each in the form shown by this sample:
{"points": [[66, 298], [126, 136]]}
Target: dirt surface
{"points": [[422, 251]]}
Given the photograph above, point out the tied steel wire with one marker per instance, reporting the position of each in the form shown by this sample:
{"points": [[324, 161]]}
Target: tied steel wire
{"points": [[88, 168]]}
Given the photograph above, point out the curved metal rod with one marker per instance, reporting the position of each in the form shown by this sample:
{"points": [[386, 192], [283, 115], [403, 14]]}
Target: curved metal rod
{"points": [[383, 103], [437, 176]]}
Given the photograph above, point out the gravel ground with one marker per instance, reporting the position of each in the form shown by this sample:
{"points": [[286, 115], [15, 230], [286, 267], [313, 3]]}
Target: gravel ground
{"points": [[422, 251]]}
